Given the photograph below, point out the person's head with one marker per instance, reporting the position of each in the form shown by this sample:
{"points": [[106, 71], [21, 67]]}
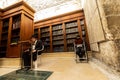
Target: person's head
{"points": [[33, 38]]}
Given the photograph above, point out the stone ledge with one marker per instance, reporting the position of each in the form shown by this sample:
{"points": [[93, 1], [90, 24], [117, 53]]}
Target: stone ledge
{"points": [[110, 73]]}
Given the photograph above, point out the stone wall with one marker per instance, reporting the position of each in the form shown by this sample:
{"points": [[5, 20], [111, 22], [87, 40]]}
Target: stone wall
{"points": [[103, 24]]}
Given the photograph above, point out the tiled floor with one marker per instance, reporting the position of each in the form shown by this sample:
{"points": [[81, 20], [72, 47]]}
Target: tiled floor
{"points": [[63, 66]]}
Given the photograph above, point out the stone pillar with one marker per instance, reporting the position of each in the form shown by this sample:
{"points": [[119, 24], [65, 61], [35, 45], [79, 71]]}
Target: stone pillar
{"points": [[103, 23]]}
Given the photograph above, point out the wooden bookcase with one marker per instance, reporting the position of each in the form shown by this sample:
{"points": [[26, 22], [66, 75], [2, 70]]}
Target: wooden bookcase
{"points": [[17, 25], [57, 38], [4, 37], [45, 37], [62, 30], [71, 33]]}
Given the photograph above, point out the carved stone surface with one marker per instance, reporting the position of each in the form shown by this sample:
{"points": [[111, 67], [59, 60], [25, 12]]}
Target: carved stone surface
{"points": [[108, 18]]}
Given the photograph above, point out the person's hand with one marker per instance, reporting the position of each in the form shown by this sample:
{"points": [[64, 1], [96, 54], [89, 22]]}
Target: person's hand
{"points": [[26, 50], [33, 51]]}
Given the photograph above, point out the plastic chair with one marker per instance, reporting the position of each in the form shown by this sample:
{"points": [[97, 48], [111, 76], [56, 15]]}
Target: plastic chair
{"points": [[38, 61], [85, 58]]}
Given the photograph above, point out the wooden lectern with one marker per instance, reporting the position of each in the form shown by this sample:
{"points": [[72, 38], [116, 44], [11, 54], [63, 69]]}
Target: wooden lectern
{"points": [[25, 45]]}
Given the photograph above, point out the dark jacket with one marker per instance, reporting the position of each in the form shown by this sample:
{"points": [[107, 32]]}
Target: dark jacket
{"points": [[38, 46]]}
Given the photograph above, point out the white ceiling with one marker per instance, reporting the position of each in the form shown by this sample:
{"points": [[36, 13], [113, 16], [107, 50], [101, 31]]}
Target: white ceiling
{"points": [[42, 7], [43, 4], [37, 4]]}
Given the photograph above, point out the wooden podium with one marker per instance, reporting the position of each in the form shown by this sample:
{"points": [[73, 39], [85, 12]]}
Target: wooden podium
{"points": [[25, 45]]}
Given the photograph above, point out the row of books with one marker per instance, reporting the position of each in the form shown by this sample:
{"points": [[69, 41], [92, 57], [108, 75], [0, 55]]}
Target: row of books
{"points": [[72, 35], [82, 22], [3, 49], [5, 30], [47, 49], [82, 27], [72, 24], [57, 27], [83, 33], [4, 36], [70, 41], [58, 42], [58, 48], [16, 33], [57, 37], [4, 43], [57, 32], [16, 25], [71, 30], [70, 48], [45, 35], [35, 31], [14, 40], [47, 39], [5, 24], [46, 29]]}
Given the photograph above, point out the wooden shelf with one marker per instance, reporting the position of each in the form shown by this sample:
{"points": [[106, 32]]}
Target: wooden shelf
{"points": [[2, 52], [4, 39], [58, 35], [71, 33], [65, 27], [5, 32], [71, 27], [57, 39], [71, 38], [15, 29], [5, 27], [56, 30], [44, 32], [3, 46], [16, 36], [16, 25]]}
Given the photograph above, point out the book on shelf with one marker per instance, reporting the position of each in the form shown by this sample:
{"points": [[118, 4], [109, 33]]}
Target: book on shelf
{"points": [[5, 23], [56, 27], [58, 48], [57, 37], [70, 48], [57, 32], [14, 40], [82, 22], [82, 27], [16, 25], [35, 31], [3, 45], [71, 24], [72, 35], [58, 42], [72, 30], [45, 29], [4, 30], [45, 35], [69, 41], [16, 22]]}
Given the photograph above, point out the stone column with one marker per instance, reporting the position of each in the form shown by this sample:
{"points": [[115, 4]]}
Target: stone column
{"points": [[103, 23]]}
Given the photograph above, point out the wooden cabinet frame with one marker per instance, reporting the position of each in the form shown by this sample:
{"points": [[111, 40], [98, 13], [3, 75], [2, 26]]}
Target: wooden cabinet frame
{"points": [[63, 19], [26, 25]]}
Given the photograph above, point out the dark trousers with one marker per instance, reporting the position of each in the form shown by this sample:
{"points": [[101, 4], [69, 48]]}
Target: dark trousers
{"points": [[27, 58], [79, 52]]}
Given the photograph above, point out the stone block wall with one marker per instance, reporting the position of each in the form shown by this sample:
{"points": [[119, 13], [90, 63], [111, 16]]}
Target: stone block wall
{"points": [[103, 24]]}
